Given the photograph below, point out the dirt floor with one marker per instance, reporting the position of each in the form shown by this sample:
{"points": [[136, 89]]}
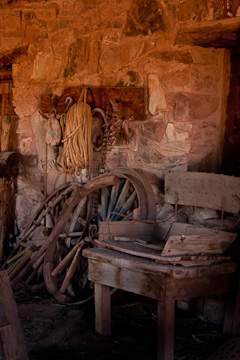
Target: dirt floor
{"points": [[59, 332]]}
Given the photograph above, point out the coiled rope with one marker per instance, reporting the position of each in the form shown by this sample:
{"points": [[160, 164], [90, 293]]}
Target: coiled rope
{"points": [[76, 127]]}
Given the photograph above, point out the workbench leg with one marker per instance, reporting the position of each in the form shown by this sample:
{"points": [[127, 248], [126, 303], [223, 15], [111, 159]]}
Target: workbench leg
{"points": [[166, 312], [102, 309]]}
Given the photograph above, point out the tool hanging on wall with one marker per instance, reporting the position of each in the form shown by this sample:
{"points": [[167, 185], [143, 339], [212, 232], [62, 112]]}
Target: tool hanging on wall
{"points": [[76, 128], [53, 135]]}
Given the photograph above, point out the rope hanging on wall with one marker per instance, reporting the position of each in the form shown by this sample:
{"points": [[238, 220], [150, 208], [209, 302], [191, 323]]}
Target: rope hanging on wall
{"points": [[76, 129]]}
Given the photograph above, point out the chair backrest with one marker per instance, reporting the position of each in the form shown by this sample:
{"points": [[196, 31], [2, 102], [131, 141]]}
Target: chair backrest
{"points": [[208, 190]]}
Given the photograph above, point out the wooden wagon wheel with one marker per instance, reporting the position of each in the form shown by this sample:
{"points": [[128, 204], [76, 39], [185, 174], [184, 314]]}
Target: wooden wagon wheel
{"points": [[114, 195], [33, 237]]}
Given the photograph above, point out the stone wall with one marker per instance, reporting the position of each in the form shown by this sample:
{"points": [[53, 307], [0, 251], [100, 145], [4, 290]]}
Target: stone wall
{"points": [[55, 44]]}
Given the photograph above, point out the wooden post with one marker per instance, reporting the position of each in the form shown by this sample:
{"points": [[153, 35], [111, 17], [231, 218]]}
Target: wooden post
{"points": [[12, 342], [9, 163], [7, 124], [5, 196]]}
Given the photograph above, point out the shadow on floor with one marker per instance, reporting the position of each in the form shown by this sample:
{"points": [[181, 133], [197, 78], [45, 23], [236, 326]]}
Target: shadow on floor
{"points": [[59, 332]]}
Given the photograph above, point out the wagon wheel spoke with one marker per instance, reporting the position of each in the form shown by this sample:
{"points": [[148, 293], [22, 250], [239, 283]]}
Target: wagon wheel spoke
{"points": [[34, 236], [65, 261], [70, 272], [65, 270]]}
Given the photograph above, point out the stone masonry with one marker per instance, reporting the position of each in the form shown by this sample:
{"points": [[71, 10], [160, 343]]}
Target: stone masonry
{"points": [[52, 45]]}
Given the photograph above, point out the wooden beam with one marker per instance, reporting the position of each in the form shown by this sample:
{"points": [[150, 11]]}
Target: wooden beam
{"points": [[221, 33]]}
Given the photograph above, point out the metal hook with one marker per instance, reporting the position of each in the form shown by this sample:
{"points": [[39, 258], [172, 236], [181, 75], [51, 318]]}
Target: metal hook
{"points": [[68, 100]]}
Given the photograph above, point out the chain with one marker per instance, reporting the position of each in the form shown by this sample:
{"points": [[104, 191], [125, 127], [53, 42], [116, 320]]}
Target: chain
{"points": [[112, 128]]}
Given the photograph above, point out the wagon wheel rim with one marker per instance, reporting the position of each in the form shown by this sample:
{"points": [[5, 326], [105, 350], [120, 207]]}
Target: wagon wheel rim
{"points": [[117, 200], [25, 249]]}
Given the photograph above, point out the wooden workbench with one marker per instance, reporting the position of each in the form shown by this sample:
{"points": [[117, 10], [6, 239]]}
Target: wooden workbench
{"points": [[165, 283]]}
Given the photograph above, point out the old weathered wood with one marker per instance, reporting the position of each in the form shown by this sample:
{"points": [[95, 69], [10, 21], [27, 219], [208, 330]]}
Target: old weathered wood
{"points": [[131, 100], [5, 205], [132, 247], [69, 206], [198, 244], [102, 298], [109, 229], [121, 259], [7, 343], [222, 33], [9, 162], [8, 166], [214, 191], [147, 188], [109, 268], [11, 332], [189, 229]]}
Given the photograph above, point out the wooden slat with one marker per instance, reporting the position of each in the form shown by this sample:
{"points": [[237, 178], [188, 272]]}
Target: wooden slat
{"points": [[109, 229], [189, 229], [198, 244], [212, 191], [146, 251]]}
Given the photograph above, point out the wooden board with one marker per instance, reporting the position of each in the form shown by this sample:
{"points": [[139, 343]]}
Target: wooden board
{"points": [[148, 252], [189, 229], [7, 342], [149, 266], [212, 191], [109, 229], [198, 244], [11, 331], [131, 100]]}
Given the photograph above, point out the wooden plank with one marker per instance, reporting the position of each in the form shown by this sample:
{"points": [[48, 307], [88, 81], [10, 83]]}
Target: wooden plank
{"points": [[9, 316], [145, 251], [197, 286], [109, 229], [149, 266], [125, 260], [131, 101], [189, 229], [198, 244], [8, 342], [137, 282], [214, 191]]}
